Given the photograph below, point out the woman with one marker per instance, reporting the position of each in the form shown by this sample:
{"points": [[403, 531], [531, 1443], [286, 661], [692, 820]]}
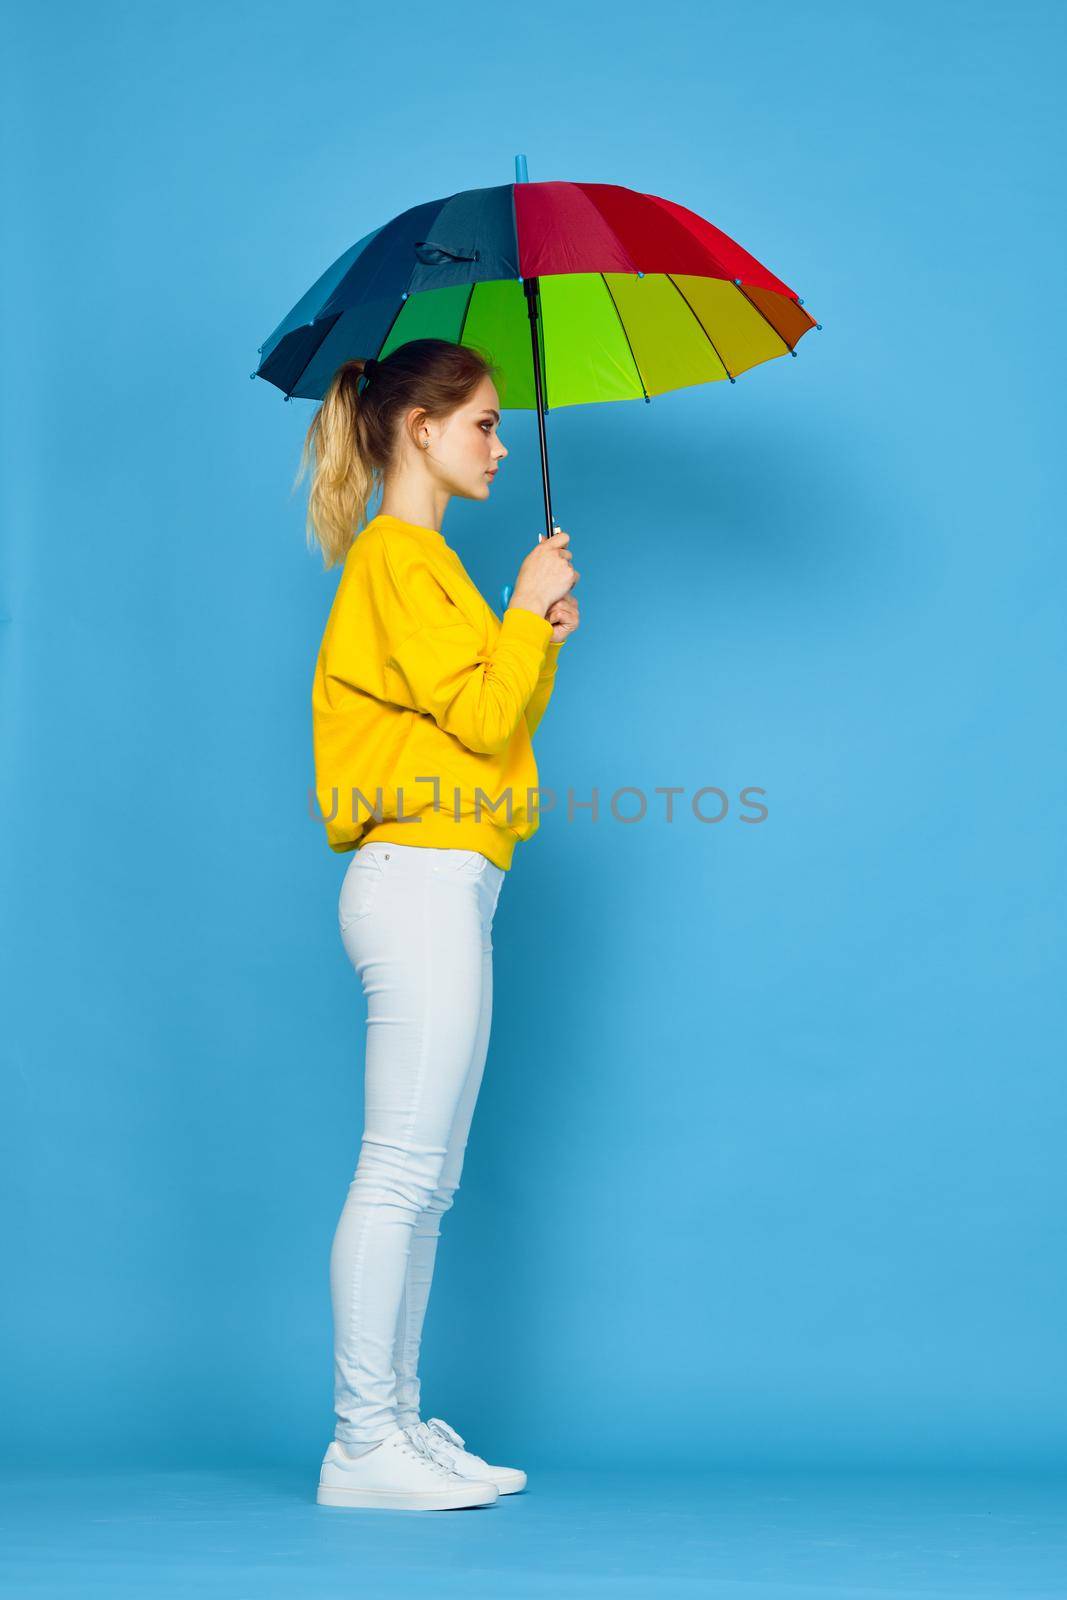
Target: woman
{"points": [[424, 704]]}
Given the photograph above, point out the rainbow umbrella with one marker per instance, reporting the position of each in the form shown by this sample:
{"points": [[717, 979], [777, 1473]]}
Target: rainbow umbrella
{"points": [[578, 292]]}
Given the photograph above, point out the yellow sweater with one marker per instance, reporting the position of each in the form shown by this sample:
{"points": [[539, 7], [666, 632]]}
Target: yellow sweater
{"points": [[422, 693]]}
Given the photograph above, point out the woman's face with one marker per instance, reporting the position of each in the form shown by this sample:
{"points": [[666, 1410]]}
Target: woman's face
{"points": [[465, 448]]}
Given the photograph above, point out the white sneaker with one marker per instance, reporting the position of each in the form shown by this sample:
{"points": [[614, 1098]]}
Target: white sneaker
{"points": [[399, 1474], [447, 1446]]}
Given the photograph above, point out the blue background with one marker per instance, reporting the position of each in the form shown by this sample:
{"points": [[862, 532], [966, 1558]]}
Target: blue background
{"points": [[768, 1163]]}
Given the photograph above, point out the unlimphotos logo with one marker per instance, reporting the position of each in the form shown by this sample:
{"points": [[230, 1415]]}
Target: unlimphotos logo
{"points": [[626, 804]]}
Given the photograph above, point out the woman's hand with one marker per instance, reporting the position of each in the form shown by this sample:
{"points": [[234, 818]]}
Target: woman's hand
{"points": [[546, 576], [563, 615]]}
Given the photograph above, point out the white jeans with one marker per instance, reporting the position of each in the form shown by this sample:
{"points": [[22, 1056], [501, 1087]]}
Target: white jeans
{"points": [[416, 922]]}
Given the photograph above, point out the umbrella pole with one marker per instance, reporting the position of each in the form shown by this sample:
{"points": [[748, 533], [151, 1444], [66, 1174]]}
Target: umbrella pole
{"points": [[531, 287], [533, 306]]}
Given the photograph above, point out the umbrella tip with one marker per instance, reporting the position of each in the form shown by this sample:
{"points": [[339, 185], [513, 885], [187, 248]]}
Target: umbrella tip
{"points": [[520, 170]]}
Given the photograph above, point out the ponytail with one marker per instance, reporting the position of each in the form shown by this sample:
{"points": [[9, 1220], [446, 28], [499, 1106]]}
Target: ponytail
{"points": [[343, 480]]}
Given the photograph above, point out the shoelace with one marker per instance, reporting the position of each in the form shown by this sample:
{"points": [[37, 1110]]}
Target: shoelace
{"points": [[441, 1426], [424, 1448], [434, 1444]]}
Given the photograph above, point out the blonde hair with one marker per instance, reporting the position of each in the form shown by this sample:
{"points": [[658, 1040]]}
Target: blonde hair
{"points": [[354, 433]]}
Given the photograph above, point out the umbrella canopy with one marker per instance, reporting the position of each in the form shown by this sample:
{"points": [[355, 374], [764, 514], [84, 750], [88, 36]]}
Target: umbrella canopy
{"points": [[576, 292], [636, 295]]}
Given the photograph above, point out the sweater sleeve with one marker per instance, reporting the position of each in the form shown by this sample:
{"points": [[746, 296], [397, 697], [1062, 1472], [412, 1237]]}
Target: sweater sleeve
{"points": [[545, 684], [479, 697]]}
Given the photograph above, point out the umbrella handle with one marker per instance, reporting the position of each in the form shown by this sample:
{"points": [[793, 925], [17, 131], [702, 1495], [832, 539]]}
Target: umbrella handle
{"points": [[505, 593]]}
